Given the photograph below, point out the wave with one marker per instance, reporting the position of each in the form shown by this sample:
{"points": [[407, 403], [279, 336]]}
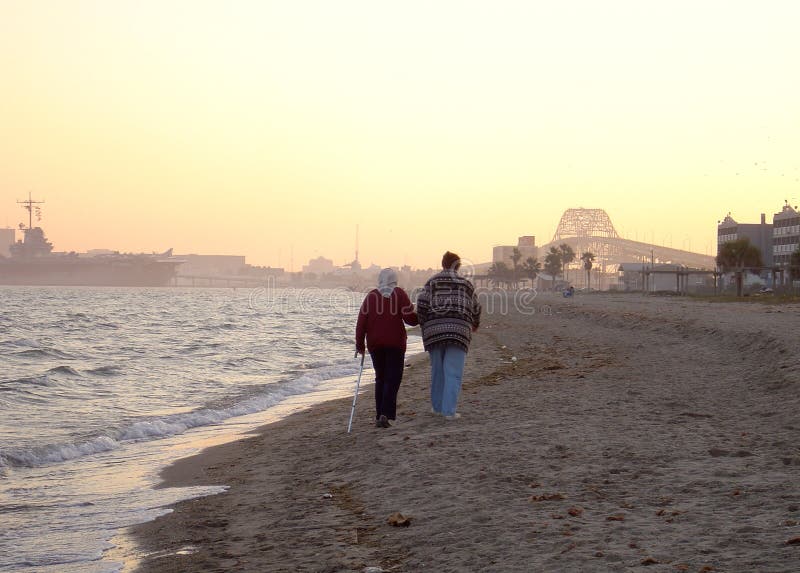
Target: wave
{"points": [[40, 380], [194, 347], [13, 383], [104, 371], [64, 370], [28, 507], [42, 353], [314, 365], [222, 326], [79, 325], [56, 453], [243, 361], [20, 343], [170, 425]]}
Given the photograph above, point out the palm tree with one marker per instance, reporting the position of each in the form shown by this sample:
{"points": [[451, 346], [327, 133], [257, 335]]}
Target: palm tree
{"points": [[553, 264], [794, 265], [738, 256], [531, 268], [516, 271], [499, 272], [588, 259], [516, 255], [567, 256]]}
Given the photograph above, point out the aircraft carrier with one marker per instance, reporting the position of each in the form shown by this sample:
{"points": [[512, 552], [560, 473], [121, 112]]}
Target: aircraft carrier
{"points": [[32, 262]]}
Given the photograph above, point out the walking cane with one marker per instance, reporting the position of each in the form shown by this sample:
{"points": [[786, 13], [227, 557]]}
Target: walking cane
{"points": [[358, 383]]}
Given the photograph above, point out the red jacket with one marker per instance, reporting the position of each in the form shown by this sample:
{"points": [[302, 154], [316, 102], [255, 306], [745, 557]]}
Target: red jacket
{"points": [[381, 320]]}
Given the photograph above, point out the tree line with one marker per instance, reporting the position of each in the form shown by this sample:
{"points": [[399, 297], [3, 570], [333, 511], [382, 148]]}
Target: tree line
{"points": [[555, 264], [741, 256]]}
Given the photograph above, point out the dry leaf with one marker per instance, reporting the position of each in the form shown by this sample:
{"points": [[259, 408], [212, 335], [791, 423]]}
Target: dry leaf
{"points": [[616, 517], [397, 519], [547, 497], [649, 561], [575, 511]]}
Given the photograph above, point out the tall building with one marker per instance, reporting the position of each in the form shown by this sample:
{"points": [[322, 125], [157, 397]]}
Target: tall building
{"points": [[760, 235], [211, 265], [319, 266], [785, 235], [527, 248], [7, 239]]}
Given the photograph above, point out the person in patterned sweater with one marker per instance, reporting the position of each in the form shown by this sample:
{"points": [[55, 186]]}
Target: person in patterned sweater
{"points": [[449, 312]]}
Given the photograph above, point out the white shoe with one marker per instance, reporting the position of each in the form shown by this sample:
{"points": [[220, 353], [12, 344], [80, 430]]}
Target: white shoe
{"points": [[455, 416]]}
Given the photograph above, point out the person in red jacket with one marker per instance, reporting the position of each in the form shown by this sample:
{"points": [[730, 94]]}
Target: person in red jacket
{"points": [[381, 320]]}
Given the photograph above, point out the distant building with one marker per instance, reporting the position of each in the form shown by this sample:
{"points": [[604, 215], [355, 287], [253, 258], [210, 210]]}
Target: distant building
{"points": [[7, 238], [759, 234], [260, 271], [662, 277], [527, 248], [211, 265], [319, 266], [785, 235]]}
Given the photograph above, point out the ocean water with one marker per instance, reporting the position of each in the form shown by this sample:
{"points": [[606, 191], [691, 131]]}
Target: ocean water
{"points": [[101, 388]]}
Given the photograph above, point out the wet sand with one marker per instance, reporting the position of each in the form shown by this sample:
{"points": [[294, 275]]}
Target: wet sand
{"points": [[612, 433]]}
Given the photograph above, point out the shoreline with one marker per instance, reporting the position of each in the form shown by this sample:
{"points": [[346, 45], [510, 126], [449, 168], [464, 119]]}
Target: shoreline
{"points": [[188, 471], [622, 436]]}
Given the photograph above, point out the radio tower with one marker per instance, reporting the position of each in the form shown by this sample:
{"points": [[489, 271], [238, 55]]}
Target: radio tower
{"points": [[29, 206], [355, 265]]}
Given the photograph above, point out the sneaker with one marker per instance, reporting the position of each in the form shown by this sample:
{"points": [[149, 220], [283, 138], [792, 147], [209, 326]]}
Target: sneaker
{"points": [[434, 412], [455, 416], [383, 422]]}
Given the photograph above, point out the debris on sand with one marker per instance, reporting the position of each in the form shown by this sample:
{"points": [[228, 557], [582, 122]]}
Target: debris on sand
{"points": [[397, 519]]}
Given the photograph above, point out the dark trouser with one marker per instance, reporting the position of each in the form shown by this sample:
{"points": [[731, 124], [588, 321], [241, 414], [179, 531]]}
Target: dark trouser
{"points": [[388, 364]]}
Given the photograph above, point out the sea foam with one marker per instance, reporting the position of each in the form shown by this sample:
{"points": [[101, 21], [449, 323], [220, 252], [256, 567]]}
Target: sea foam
{"points": [[170, 425]]}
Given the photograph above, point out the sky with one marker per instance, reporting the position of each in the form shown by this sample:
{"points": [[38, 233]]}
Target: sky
{"points": [[275, 129]]}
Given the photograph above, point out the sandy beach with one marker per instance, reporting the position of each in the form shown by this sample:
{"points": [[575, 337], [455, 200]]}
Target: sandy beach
{"points": [[600, 433]]}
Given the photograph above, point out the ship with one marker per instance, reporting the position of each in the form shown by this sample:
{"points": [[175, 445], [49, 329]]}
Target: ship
{"points": [[32, 262]]}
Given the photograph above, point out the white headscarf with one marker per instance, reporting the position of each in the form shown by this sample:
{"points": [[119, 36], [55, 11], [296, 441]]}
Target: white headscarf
{"points": [[387, 281]]}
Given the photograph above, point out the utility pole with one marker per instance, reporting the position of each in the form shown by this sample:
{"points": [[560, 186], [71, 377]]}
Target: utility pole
{"points": [[652, 268], [356, 242]]}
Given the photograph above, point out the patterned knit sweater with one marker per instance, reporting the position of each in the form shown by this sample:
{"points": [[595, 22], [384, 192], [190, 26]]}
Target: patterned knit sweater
{"points": [[448, 310]]}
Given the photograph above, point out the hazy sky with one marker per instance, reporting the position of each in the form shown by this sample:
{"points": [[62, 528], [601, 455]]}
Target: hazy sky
{"points": [[265, 128]]}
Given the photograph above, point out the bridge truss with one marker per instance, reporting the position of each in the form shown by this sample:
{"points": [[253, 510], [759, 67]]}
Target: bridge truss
{"points": [[592, 230]]}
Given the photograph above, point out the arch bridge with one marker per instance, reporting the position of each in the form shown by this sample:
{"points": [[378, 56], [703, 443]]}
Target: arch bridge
{"points": [[592, 230]]}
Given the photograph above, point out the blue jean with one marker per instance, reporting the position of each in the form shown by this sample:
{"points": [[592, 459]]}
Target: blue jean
{"points": [[447, 369]]}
